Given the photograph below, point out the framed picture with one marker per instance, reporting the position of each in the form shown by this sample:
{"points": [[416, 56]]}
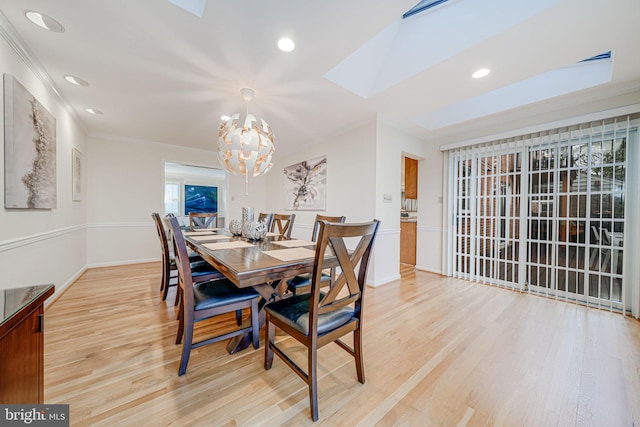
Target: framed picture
{"points": [[306, 185], [76, 175], [29, 150]]}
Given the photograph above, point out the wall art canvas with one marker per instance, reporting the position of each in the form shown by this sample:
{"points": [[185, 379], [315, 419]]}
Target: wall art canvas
{"points": [[76, 175], [306, 185], [200, 199], [29, 150]]}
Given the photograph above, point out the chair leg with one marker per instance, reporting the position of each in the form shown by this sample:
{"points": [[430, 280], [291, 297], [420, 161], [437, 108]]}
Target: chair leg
{"points": [[357, 349], [163, 284], [594, 254], [178, 296], [255, 324], [186, 348], [313, 381], [239, 317], [180, 326], [269, 334]]}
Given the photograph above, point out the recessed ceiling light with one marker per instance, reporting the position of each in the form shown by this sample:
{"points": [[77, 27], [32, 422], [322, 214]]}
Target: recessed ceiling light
{"points": [[286, 45], [224, 118], [93, 111], [76, 80], [44, 21], [482, 72]]}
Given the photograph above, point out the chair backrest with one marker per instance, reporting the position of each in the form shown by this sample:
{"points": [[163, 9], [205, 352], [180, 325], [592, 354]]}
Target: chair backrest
{"points": [[353, 268], [606, 238], [267, 218], [185, 280], [316, 224], [282, 224], [198, 220], [164, 242], [596, 233]]}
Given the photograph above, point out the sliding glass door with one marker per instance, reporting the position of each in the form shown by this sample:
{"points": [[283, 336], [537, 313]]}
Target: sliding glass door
{"points": [[544, 214]]}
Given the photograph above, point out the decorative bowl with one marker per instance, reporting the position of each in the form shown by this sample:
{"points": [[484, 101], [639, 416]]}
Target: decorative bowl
{"points": [[235, 227], [255, 230]]}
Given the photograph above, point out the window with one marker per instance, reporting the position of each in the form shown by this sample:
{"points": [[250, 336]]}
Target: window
{"points": [[172, 198]]}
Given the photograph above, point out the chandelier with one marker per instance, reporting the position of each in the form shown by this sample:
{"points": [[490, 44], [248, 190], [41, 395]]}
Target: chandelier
{"points": [[247, 149]]}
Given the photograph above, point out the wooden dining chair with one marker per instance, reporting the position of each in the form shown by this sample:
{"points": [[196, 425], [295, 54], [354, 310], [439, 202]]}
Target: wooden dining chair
{"points": [[302, 282], [200, 220], [319, 318], [169, 275], [282, 224], [201, 270], [267, 218], [204, 300]]}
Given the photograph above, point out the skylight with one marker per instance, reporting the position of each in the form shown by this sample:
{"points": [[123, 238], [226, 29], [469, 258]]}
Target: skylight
{"points": [[408, 47], [422, 6], [606, 55], [582, 75], [195, 7]]}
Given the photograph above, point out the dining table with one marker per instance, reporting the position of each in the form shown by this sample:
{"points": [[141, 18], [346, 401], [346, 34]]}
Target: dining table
{"points": [[265, 264]]}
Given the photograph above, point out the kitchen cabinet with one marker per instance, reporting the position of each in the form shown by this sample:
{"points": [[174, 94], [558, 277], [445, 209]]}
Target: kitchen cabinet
{"points": [[408, 242], [410, 178]]}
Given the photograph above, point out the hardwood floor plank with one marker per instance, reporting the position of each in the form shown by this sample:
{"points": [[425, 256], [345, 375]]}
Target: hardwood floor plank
{"points": [[437, 350]]}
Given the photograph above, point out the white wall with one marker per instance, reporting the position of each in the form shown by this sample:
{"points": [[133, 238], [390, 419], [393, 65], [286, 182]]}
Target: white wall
{"points": [[350, 178], [48, 245], [363, 165], [392, 144], [125, 185]]}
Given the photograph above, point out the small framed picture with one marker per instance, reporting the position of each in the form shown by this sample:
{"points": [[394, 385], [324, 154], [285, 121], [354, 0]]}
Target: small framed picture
{"points": [[77, 175]]}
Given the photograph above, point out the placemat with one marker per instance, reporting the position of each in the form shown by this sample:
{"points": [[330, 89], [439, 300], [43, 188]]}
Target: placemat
{"points": [[294, 243], [228, 245], [201, 232], [210, 237], [291, 254]]}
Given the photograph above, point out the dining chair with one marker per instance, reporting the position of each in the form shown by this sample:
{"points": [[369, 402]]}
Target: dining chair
{"points": [[319, 318], [200, 220], [282, 224], [169, 275], [168, 264], [267, 218], [204, 300], [594, 250], [201, 270], [302, 282]]}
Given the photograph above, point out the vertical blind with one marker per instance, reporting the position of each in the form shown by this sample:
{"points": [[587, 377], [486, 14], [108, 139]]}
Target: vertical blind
{"points": [[547, 213]]}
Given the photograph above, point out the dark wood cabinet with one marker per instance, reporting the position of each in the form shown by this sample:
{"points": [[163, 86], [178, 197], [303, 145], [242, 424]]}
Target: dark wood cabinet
{"points": [[410, 178], [22, 344]]}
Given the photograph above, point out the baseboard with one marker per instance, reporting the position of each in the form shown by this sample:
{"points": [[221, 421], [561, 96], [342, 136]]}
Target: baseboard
{"points": [[116, 263], [61, 289], [384, 281], [429, 269]]}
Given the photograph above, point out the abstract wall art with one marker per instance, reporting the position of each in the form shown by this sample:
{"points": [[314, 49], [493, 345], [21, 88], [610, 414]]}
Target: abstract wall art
{"points": [[29, 150], [306, 185], [76, 175]]}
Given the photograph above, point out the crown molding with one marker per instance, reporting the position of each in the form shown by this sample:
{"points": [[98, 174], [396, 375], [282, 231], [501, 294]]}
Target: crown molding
{"points": [[13, 39], [130, 140]]}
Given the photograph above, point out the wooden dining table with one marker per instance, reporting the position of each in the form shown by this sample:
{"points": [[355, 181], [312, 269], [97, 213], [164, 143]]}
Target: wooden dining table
{"points": [[265, 265]]}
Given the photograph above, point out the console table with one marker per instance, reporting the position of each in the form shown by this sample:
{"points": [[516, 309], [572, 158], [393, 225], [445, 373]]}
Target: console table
{"points": [[22, 344]]}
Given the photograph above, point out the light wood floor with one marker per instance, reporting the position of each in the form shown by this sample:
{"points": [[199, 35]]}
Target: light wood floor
{"points": [[438, 352]]}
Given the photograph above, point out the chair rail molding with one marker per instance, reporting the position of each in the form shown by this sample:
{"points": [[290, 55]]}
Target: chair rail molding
{"points": [[10, 244], [431, 229], [142, 224]]}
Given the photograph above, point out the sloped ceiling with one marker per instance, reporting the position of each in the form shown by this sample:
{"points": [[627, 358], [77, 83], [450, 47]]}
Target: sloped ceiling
{"points": [[162, 73]]}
